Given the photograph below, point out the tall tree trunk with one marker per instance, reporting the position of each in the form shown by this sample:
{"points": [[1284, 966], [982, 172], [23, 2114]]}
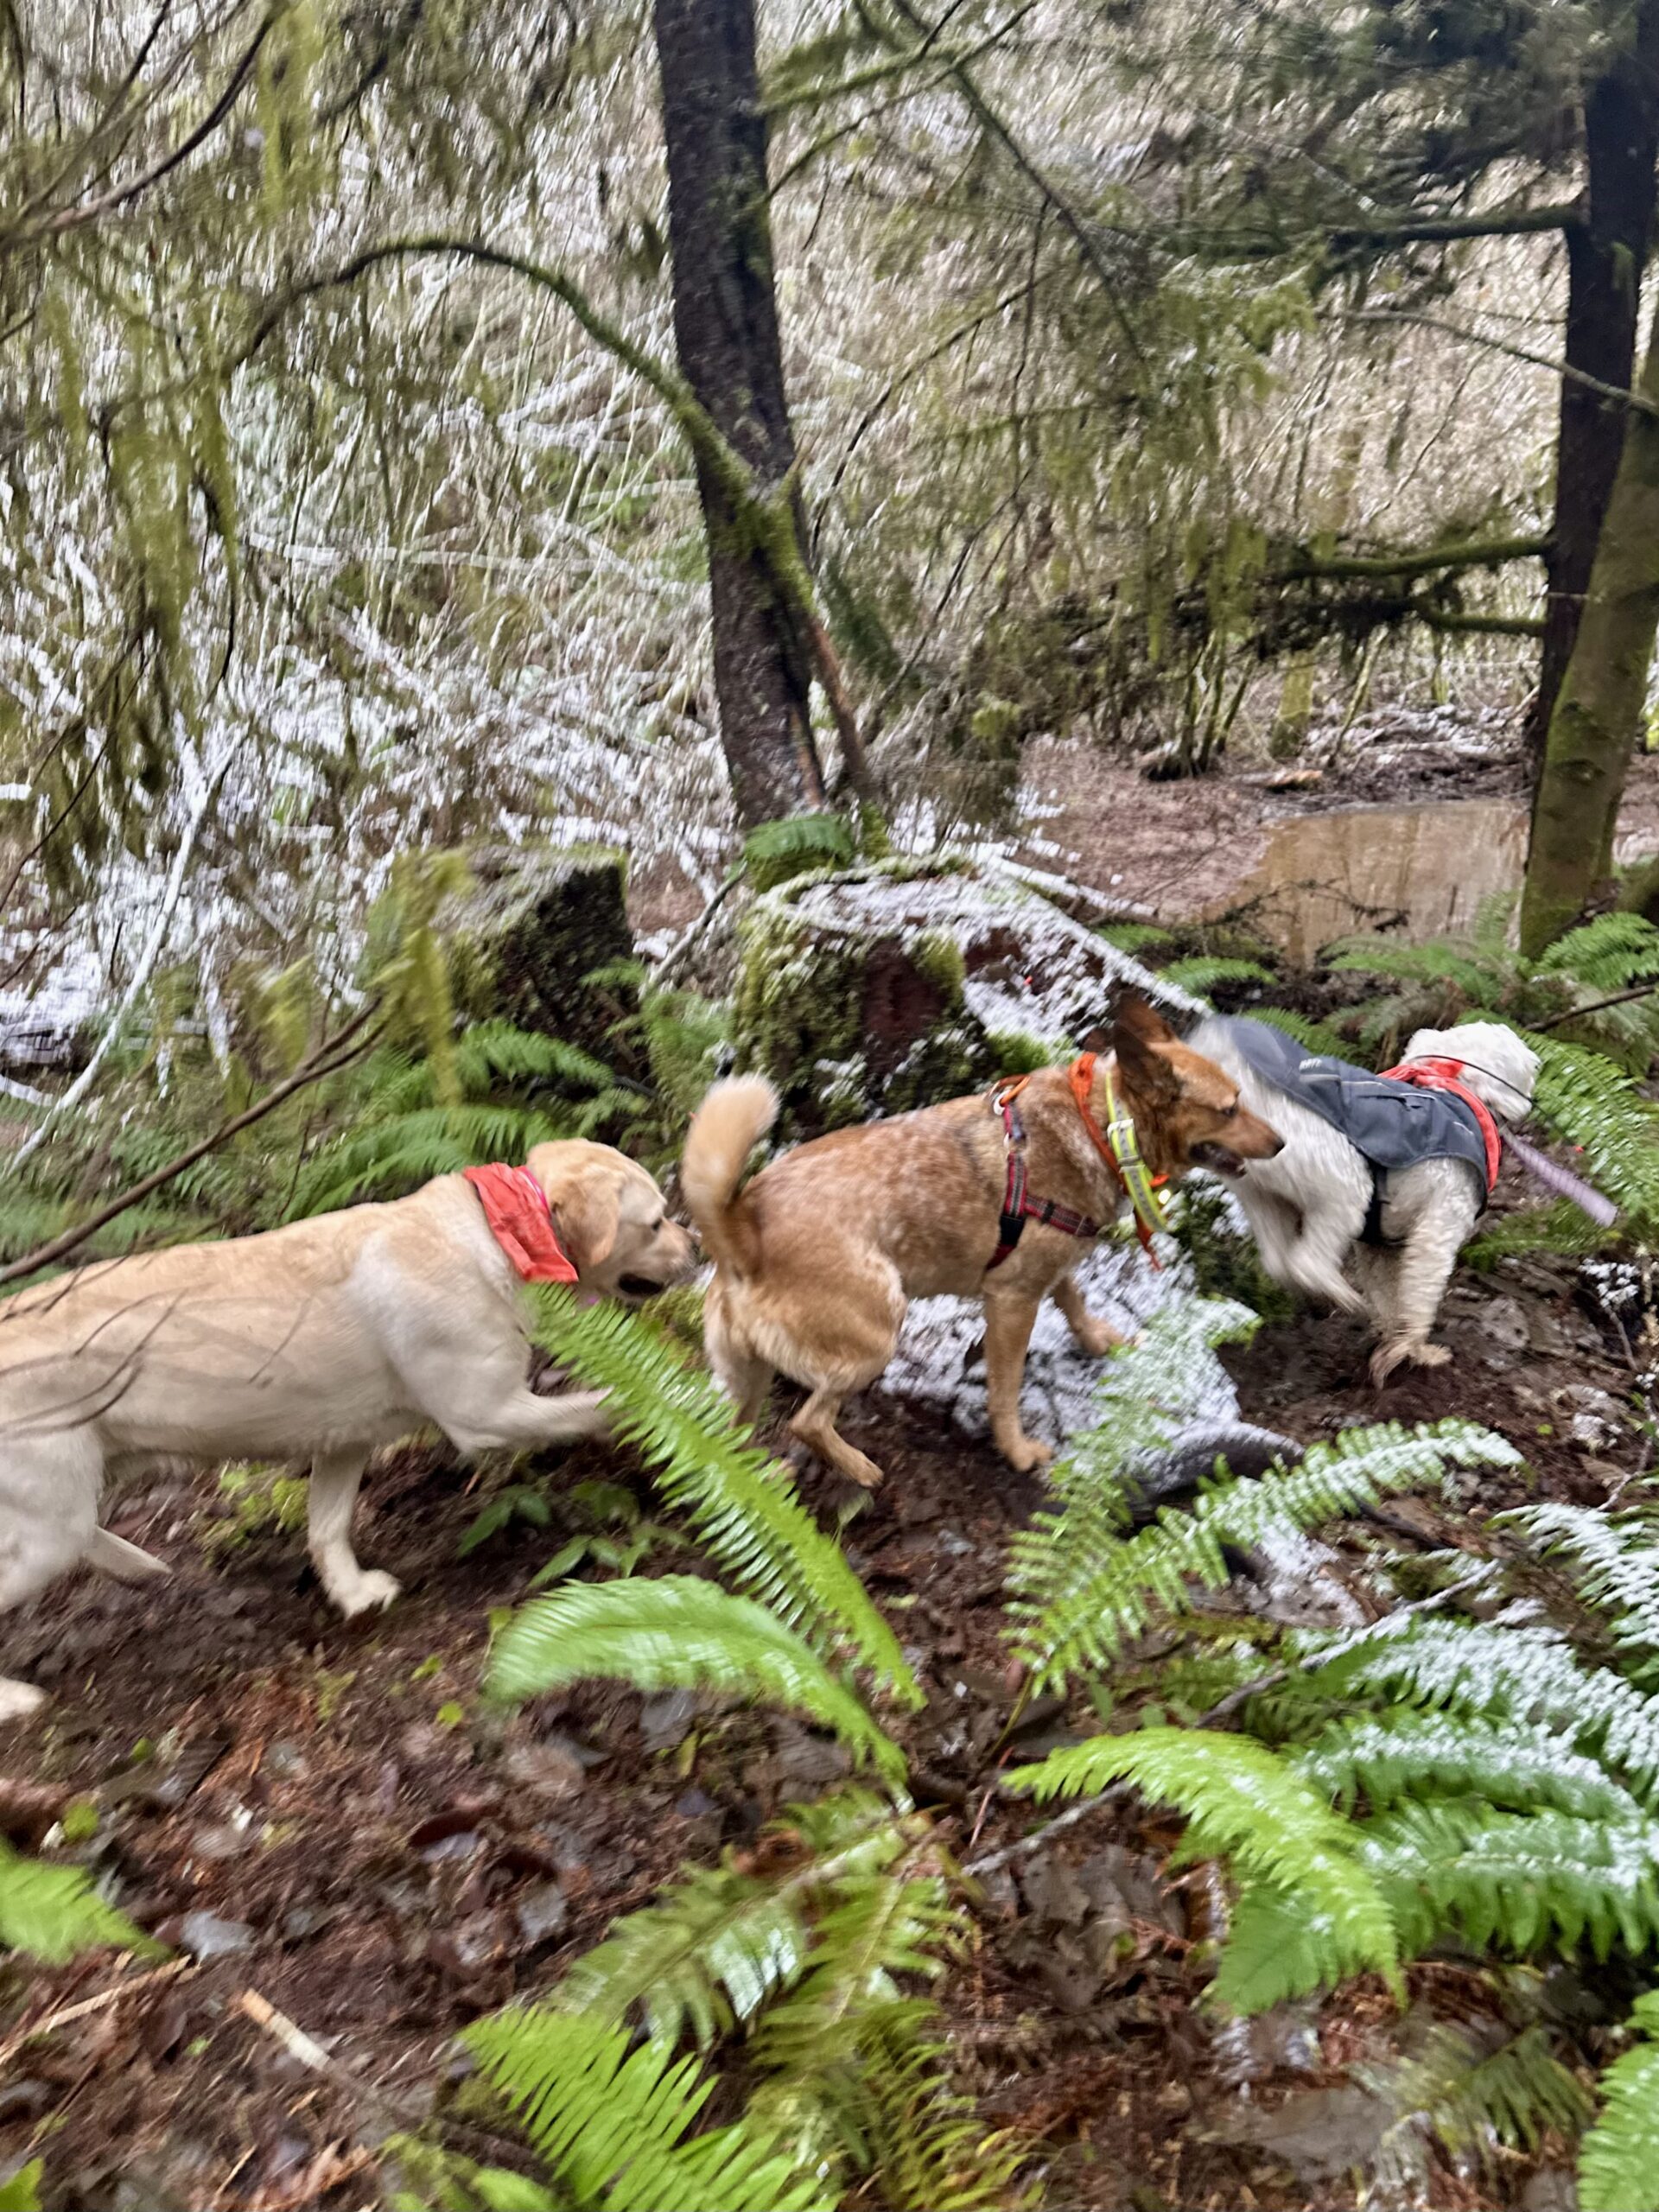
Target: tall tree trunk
{"points": [[726, 330], [1598, 711], [1607, 254]]}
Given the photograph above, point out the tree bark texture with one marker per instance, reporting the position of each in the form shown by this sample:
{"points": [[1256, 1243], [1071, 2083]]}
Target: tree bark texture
{"points": [[726, 331], [1598, 711], [1607, 253]]}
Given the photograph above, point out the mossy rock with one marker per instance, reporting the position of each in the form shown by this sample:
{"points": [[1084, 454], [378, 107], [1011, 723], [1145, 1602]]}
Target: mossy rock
{"points": [[541, 939], [878, 989]]}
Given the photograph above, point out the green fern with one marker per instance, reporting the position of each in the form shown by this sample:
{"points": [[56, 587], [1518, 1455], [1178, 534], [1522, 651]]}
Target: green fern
{"points": [[1561, 1227], [1519, 1765], [1315, 1036], [1085, 1584], [613, 2125], [1442, 963], [1526, 1675], [776, 852], [1609, 954], [1526, 1882], [1242, 1802], [675, 1632], [742, 1504], [1613, 1559], [720, 1940], [391, 1158], [918, 2135], [1133, 937], [1619, 2159], [1585, 1099], [410, 1118], [1474, 2098], [54, 1912], [1200, 976]]}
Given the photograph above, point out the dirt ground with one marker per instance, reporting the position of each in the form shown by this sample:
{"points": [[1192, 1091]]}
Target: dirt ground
{"points": [[323, 1814], [1227, 844]]}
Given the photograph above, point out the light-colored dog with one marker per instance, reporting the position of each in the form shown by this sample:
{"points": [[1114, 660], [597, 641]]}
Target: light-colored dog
{"points": [[816, 1260], [317, 1341], [1308, 1207]]}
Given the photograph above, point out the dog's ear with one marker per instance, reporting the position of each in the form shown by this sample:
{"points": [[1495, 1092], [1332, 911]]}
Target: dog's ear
{"points": [[1094, 1040], [1146, 1073], [1134, 1014], [588, 1213], [584, 1197]]}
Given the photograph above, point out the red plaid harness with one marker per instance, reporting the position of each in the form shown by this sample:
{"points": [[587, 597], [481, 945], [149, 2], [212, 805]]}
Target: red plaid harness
{"points": [[1019, 1206]]}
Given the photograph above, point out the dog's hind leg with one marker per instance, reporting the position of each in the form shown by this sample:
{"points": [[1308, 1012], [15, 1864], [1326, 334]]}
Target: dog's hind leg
{"points": [[740, 1373], [815, 1425], [1095, 1335], [48, 1517], [1421, 1271], [335, 1479]]}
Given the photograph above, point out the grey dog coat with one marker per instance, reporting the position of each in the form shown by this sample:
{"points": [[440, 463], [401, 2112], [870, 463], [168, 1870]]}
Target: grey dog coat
{"points": [[1390, 1124]]}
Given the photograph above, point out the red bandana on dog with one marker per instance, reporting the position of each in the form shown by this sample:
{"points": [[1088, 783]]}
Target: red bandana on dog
{"points": [[1442, 1075], [521, 1221]]}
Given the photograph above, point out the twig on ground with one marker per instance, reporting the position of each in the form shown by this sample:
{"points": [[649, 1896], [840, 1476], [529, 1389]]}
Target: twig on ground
{"points": [[50, 2022]]}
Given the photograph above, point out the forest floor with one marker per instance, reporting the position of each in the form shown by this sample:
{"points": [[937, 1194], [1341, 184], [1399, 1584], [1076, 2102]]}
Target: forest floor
{"points": [[323, 1814]]}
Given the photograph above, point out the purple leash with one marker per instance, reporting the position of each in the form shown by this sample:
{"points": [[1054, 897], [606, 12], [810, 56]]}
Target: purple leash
{"points": [[1563, 1181]]}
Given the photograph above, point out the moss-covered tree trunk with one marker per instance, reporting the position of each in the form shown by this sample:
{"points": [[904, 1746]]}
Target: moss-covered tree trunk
{"points": [[1607, 253], [726, 330], [1598, 713]]}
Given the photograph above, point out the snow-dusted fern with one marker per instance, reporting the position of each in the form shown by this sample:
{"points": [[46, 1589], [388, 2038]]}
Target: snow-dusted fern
{"points": [[1085, 1581]]}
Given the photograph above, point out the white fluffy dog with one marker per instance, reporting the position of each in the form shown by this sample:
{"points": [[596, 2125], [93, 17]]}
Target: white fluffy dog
{"points": [[1309, 1207]]}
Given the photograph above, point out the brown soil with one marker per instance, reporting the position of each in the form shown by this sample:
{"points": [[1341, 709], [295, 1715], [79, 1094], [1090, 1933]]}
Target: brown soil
{"points": [[1185, 849], [401, 1860]]}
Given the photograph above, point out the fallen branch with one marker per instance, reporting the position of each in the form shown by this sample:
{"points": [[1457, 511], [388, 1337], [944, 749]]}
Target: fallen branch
{"points": [[333, 1054], [1597, 1005], [105, 1998]]}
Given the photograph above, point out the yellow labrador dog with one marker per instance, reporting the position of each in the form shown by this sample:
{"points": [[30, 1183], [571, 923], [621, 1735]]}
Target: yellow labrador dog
{"points": [[318, 1341]]}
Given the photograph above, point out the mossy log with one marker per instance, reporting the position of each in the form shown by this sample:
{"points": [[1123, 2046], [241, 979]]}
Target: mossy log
{"points": [[878, 989]]}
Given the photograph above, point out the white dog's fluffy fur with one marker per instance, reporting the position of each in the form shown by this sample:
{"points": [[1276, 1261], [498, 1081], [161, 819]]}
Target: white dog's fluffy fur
{"points": [[1307, 1207]]}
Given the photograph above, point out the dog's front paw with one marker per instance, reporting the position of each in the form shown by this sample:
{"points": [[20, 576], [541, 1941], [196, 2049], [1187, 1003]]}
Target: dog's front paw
{"points": [[1428, 1355], [372, 1589], [1025, 1454], [1098, 1338], [19, 1700]]}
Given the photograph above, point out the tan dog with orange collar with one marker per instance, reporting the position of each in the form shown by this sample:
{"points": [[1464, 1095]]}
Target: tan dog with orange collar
{"points": [[818, 1257]]}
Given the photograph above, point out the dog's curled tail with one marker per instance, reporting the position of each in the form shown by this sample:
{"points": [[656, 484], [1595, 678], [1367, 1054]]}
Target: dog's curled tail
{"points": [[724, 1131]]}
